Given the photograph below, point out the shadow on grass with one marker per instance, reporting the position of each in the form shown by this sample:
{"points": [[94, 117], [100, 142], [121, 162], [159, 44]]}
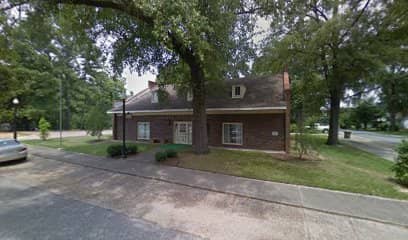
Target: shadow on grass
{"points": [[92, 141]]}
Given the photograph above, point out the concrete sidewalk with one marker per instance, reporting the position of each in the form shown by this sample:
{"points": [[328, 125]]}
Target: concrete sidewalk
{"points": [[377, 209]]}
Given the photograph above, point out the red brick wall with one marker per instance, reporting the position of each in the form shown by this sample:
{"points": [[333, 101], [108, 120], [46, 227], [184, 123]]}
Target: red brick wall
{"points": [[257, 129]]}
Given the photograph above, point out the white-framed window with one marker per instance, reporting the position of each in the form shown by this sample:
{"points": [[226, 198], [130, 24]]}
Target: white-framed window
{"points": [[155, 97], [189, 96], [238, 91], [143, 131], [232, 133]]}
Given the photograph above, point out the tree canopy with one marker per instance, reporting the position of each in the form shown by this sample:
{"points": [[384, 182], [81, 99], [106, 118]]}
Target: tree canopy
{"points": [[328, 46], [195, 42], [340, 42], [39, 57]]}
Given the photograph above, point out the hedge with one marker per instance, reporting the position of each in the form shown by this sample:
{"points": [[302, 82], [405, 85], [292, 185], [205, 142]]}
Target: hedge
{"points": [[114, 150]]}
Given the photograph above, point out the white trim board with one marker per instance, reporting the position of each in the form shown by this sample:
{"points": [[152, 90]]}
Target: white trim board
{"points": [[189, 111]]}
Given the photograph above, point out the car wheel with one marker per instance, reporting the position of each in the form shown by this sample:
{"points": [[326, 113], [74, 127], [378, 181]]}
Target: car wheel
{"points": [[325, 130]]}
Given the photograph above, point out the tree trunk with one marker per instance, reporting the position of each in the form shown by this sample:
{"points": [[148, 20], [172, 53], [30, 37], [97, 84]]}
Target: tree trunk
{"points": [[200, 138], [393, 121], [392, 105], [333, 137]]}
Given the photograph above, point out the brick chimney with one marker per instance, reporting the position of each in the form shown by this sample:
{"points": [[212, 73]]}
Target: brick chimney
{"points": [[286, 82], [151, 84]]}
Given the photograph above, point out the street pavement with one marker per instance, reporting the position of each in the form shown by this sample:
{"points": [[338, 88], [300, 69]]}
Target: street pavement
{"points": [[31, 213], [382, 145], [43, 190]]}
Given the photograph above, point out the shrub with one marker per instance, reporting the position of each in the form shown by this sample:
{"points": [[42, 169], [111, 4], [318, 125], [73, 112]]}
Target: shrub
{"points": [[293, 128], [171, 153], [114, 150], [305, 144], [96, 121], [160, 156], [400, 168], [131, 148], [44, 127]]}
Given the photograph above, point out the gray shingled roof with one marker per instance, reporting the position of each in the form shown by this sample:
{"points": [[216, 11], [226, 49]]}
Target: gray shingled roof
{"points": [[266, 91]]}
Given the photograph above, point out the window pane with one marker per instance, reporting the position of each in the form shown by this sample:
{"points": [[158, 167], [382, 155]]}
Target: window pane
{"points": [[155, 97], [226, 133], [143, 130], [237, 91], [232, 133]]}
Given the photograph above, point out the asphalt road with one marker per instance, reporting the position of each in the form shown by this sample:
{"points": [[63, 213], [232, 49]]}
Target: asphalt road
{"points": [[383, 145], [30, 213]]}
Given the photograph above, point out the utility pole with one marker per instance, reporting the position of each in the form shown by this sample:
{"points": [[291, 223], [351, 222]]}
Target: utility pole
{"points": [[60, 111], [124, 151]]}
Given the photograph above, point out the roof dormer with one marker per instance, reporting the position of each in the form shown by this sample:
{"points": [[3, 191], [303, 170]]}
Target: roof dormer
{"points": [[238, 91], [155, 97]]}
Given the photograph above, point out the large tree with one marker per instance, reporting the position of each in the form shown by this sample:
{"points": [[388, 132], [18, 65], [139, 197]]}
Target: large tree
{"points": [[334, 38], [393, 77], [37, 55], [198, 37]]}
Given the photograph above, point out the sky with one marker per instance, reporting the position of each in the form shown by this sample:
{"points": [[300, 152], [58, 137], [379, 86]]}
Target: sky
{"points": [[136, 83]]}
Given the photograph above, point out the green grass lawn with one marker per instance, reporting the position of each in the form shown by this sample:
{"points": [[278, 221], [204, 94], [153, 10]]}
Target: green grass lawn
{"points": [[88, 144], [341, 168], [403, 132]]}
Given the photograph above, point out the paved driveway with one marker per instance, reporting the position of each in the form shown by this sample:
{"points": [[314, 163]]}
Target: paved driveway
{"points": [[60, 200], [380, 144], [31, 135]]}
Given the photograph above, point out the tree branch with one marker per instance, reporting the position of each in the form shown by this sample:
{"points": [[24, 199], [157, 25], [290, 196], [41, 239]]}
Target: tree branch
{"points": [[355, 20], [129, 9], [360, 14], [319, 12], [248, 11], [362, 92], [11, 6]]}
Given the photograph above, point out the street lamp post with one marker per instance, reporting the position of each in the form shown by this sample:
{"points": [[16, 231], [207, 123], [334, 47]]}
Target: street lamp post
{"points": [[124, 152], [15, 103]]}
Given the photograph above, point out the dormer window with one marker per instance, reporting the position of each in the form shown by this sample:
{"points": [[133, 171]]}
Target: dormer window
{"points": [[189, 96], [155, 97], [238, 91]]}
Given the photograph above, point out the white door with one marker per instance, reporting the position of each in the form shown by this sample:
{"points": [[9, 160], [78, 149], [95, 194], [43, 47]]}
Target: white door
{"points": [[183, 132]]}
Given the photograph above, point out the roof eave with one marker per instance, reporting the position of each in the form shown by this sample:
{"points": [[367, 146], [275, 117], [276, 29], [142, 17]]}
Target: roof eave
{"points": [[189, 111]]}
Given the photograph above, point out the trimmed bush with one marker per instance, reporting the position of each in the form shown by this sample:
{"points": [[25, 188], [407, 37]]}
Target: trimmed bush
{"points": [[400, 168], [131, 148], [160, 156], [114, 150], [171, 153]]}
